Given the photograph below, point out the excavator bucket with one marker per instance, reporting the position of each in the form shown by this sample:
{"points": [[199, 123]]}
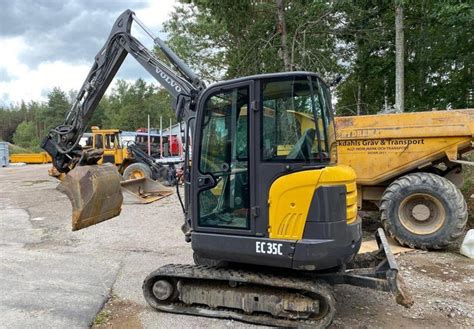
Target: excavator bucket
{"points": [[94, 192], [145, 190]]}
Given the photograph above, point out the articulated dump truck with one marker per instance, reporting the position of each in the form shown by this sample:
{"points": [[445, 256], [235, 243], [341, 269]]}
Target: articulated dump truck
{"points": [[409, 166]]}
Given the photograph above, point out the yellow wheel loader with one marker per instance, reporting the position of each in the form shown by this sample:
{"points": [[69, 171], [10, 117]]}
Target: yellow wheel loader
{"points": [[131, 161], [271, 231], [141, 177]]}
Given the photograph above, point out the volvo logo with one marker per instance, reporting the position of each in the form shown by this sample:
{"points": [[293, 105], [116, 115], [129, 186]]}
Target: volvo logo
{"points": [[168, 80]]}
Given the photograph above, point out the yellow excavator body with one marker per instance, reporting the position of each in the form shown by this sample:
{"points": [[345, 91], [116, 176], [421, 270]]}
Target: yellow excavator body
{"points": [[291, 196]]}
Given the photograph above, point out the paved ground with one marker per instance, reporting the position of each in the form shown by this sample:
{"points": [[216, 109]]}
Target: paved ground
{"points": [[51, 277]]}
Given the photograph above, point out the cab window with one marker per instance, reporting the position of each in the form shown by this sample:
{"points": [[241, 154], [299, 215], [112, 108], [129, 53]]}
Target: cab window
{"points": [[99, 143], [112, 141], [295, 120]]}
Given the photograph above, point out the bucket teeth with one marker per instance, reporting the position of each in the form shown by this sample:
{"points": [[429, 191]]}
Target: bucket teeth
{"points": [[94, 192]]}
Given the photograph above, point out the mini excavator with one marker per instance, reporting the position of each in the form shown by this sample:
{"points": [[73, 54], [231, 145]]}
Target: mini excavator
{"points": [[270, 215]]}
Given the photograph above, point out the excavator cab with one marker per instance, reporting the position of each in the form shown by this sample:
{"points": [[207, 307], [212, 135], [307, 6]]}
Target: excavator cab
{"points": [[263, 172]]}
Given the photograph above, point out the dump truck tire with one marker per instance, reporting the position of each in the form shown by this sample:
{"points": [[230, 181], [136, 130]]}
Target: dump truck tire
{"points": [[424, 211], [136, 170]]}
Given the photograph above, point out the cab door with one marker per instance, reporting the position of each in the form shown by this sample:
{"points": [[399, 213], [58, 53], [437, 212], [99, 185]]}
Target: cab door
{"points": [[109, 152], [222, 196], [99, 144], [116, 145], [293, 128]]}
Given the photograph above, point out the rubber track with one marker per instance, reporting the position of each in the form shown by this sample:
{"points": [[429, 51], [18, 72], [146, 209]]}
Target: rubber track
{"points": [[201, 272]]}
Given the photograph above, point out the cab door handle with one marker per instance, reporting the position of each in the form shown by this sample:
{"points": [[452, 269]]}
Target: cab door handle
{"points": [[206, 181]]}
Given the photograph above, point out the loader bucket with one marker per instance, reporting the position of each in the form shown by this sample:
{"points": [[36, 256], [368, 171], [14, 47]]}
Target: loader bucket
{"points": [[94, 192], [145, 190]]}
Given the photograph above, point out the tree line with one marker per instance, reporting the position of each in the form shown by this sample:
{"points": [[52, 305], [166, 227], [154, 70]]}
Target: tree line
{"points": [[126, 107], [354, 39], [224, 39]]}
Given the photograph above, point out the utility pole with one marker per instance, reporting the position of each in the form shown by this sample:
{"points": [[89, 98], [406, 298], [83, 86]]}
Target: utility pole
{"points": [[399, 58], [170, 144], [149, 143], [161, 137], [359, 92]]}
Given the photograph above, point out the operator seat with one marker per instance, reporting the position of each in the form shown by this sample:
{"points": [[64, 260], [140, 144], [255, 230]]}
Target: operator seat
{"points": [[302, 148]]}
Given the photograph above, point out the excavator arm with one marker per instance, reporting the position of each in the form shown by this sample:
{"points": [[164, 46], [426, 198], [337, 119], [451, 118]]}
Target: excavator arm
{"points": [[95, 190], [62, 142]]}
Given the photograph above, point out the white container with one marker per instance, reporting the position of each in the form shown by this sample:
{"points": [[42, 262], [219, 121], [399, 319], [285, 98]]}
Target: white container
{"points": [[467, 246], [4, 156]]}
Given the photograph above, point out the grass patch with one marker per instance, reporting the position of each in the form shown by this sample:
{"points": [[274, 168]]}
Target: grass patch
{"points": [[102, 317], [118, 313], [15, 149], [468, 189], [468, 173]]}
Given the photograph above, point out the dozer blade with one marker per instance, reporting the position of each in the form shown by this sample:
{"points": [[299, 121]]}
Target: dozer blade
{"points": [[94, 192], [379, 270], [145, 190]]}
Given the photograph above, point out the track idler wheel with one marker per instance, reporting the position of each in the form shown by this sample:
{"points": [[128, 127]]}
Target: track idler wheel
{"points": [[164, 290]]}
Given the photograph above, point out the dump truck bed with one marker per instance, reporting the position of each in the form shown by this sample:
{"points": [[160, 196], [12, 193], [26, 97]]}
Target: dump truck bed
{"points": [[381, 147], [41, 157]]}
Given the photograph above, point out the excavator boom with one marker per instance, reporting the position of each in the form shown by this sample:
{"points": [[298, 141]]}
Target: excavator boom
{"points": [[62, 142], [85, 187]]}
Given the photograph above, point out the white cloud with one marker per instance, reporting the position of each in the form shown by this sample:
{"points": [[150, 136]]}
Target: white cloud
{"points": [[18, 81], [35, 84], [156, 13]]}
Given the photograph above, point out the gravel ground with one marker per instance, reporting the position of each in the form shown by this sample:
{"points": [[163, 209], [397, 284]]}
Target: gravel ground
{"points": [[52, 277]]}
